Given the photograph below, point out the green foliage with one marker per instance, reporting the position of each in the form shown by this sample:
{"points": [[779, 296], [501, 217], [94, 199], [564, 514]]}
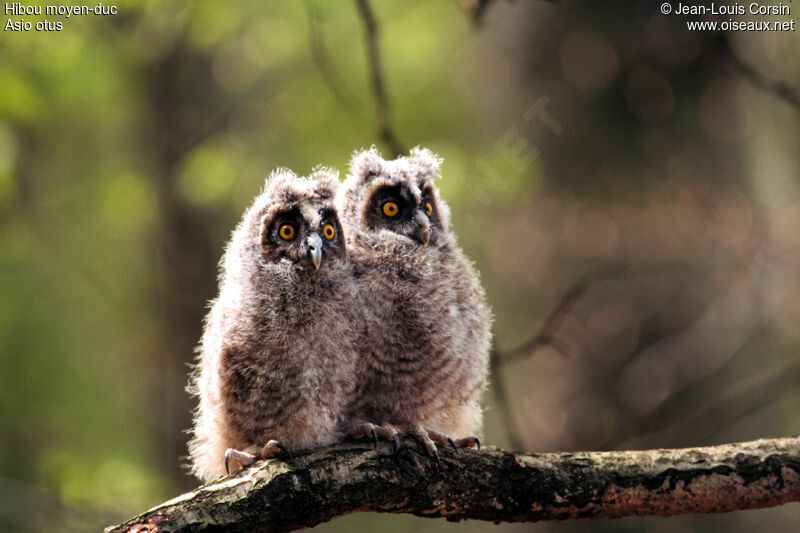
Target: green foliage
{"points": [[82, 193], [130, 144]]}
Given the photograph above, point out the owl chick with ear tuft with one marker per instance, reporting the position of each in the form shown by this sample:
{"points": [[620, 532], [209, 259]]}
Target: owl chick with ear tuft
{"points": [[276, 363], [424, 365]]}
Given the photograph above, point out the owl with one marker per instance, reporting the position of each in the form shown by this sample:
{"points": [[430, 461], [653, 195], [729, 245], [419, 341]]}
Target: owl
{"points": [[423, 367], [276, 359]]}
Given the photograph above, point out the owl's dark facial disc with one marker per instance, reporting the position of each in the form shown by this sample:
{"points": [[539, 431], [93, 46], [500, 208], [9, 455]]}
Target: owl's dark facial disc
{"points": [[395, 208], [286, 233]]}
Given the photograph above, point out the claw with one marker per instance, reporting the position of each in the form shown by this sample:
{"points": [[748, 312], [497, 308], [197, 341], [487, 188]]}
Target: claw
{"points": [[468, 442], [388, 432], [282, 448], [243, 457], [273, 448], [424, 437], [359, 428], [443, 439]]}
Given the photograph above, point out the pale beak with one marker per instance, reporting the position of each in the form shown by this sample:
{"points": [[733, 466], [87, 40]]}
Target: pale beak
{"points": [[424, 222], [314, 242]]}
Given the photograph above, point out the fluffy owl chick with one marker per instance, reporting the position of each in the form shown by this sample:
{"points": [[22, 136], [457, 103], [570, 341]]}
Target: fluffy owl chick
{"points": [[276, 366], [424, 365]]}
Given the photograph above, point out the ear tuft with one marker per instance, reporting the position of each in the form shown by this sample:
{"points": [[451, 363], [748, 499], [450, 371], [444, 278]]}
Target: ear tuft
{"points": [[325, 182], [366, 163], [279, 179], [426, 162]]}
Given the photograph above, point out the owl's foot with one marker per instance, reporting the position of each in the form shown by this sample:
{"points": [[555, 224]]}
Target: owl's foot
{"points": [[424, 437], [466, 442], [243, 458], [430, 439], [271, 449], [360, 429]]}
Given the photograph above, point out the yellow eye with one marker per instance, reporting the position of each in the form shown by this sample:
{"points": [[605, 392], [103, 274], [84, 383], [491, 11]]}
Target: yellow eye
{"points": [[390, 209], [428, 208], [329, 231], [287, 232]]}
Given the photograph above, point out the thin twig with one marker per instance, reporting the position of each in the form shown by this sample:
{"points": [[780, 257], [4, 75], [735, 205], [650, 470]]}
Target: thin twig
{"points": [[683, 403], [544, 337], [780, 89], [503, 400], [724, 408], [319, 52], [478, 9], [386, 131], [546, 334]]}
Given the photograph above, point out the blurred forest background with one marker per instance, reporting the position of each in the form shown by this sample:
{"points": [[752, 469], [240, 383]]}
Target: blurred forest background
{"points": [[593, 147]]}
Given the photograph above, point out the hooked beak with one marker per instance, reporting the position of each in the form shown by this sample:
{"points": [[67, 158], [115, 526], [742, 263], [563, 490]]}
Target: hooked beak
{"points": [[314, 242], [424, 231]]}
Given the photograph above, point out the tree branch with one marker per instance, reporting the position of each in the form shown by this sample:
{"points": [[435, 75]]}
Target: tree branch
{"points": [[491, 484], [385, 128], [321, 56]]}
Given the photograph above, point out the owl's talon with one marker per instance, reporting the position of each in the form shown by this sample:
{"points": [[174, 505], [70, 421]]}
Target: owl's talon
{"points": [[469, 442], [436, 437], [282, 448], [389, 432], [243, 458], [424, 436], [273, 448], [442, 439], [361, 428]]}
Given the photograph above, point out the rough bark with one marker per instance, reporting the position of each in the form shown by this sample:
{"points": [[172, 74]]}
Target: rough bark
{"points": [[490, 484]]}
